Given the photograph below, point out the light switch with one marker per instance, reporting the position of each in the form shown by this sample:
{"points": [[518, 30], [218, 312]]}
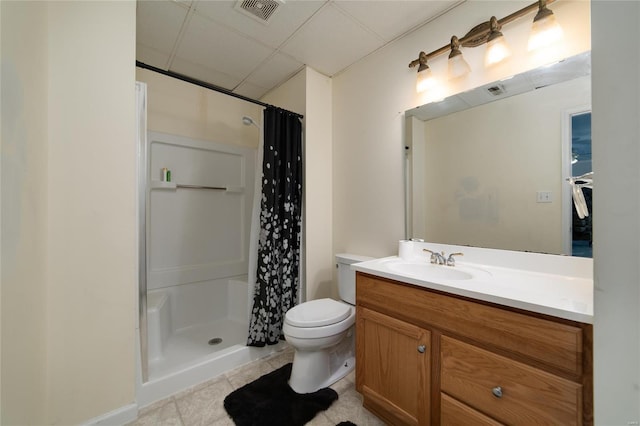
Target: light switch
{"points": [[544, 197]]}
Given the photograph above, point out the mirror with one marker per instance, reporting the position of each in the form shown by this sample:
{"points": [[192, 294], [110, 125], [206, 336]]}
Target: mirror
{"points": [[489, 167]]}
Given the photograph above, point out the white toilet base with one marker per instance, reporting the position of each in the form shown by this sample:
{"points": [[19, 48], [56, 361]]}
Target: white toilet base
{"points": [[314, 370]]}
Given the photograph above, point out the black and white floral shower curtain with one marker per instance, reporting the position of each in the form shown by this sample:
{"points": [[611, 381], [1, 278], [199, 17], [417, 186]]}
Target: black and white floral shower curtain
{"points": [[277, 278]]}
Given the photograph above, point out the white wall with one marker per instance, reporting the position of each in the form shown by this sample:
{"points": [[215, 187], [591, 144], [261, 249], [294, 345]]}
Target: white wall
{"points": [[616, 247], [72, 183], [24, 212]]}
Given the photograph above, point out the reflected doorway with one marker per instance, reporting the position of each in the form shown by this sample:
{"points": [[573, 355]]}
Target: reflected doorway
{"points": [[581, 223]]}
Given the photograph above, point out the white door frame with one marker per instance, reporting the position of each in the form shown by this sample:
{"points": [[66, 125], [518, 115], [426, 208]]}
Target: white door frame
{"points": [[567, 213]]}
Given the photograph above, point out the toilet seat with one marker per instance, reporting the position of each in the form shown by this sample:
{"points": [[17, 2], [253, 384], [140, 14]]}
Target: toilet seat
{"points": [[317, 313], [320, 331]]}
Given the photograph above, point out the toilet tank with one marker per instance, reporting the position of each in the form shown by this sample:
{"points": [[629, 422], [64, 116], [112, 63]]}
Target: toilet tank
{"points": [[347, 277]]}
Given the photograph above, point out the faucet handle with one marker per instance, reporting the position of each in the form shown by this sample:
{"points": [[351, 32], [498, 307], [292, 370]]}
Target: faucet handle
{"points": [[451, 261], [434, 255]]}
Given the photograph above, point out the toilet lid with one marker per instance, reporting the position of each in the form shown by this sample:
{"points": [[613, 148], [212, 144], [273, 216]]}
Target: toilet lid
{"points": [[316, 313]]}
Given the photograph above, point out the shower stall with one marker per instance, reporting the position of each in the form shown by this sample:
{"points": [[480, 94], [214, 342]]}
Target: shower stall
{"points": [[195, 212]]}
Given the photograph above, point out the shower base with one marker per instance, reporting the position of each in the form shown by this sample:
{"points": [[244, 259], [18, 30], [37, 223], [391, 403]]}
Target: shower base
{"points": [[187, 346]]}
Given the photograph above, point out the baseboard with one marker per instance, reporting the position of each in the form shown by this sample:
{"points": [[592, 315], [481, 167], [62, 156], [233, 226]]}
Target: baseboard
{"points": [[120, 416]]}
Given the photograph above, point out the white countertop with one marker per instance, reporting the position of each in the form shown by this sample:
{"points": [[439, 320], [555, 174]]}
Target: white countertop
{"points": [[568, 296]]}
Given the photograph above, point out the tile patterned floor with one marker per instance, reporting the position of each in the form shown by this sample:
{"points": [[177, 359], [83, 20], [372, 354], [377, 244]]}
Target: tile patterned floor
{"points": [[202, 405]]}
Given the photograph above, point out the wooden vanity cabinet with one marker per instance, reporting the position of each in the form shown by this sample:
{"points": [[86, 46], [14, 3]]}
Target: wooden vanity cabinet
{"points": [[394, 367], [425, 358]]}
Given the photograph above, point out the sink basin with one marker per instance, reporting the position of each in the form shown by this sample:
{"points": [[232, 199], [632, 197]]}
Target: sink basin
{"points": [[429, 271]]}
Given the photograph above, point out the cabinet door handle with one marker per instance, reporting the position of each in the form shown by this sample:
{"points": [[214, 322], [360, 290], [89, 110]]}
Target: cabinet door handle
{"points": [[422, 348], [497, 391]]}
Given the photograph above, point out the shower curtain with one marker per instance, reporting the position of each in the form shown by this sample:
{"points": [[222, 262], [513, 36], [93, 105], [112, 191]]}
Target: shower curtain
{"points": [[278, 261]]}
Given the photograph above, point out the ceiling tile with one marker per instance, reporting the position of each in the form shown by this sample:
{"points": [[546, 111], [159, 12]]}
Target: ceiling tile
{"points": [[202, 73], [392, 18], [331, 41], [211, 41], [251, 90], [151, 56], [220, 49], [158, 24], [287, 18], [274, 71]]}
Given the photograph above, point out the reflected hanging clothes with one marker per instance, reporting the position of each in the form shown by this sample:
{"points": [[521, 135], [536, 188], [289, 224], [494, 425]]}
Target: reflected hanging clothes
{"points": [[577, 184]]}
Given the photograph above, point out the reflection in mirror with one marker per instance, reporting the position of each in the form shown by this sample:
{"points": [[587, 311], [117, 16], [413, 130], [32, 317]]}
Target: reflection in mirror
{"points": [[489, 167]]}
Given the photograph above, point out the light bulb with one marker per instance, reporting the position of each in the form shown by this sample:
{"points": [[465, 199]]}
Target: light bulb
{"points": [[544, 32], [425, 80], [457, 67], [497, 51]]}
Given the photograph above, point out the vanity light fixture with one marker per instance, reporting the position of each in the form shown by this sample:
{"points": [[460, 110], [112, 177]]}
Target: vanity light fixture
{"points": [[545, 30], [497, 48], [425, 79], [457, 66]]}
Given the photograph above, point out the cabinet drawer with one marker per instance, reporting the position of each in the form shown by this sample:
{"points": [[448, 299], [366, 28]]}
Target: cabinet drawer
{"points": [[455, 413], [556, 344], [528, 395]]}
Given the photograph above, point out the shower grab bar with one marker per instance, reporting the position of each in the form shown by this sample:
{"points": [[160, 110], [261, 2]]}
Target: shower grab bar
{"points": [[235, 189], [173, 185], [217, 188]]}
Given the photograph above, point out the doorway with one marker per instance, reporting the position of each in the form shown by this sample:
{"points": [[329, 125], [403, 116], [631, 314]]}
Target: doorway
{"points": [[581, 166]]}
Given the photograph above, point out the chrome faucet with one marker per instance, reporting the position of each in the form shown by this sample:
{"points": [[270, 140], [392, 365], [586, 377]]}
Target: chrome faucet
{"points": [[436, 258], [440, 259]]}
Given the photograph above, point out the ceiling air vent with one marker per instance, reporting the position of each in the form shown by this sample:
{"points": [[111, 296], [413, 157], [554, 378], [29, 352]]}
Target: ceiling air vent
{"points": [[260, 10]]}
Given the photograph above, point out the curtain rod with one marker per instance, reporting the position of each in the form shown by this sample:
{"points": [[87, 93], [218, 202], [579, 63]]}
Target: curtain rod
{"points": [[209, 86]]}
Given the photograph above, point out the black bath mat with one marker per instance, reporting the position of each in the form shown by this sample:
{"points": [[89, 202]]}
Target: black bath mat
{"points": [[269, 401]]}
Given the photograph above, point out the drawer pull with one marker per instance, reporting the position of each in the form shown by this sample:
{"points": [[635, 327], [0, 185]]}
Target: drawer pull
{"points": [[422, 348], [497, 391]]}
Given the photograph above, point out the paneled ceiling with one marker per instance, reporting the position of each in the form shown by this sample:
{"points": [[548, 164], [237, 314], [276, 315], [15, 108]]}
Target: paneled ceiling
{"points": [[217, 42]]}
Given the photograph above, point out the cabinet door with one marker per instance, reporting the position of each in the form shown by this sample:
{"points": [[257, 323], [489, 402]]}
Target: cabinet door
{"points": [[393, 367]]}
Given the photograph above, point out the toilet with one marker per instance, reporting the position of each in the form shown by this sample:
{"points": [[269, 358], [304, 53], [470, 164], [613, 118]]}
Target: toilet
{"points": [[322, 332]]}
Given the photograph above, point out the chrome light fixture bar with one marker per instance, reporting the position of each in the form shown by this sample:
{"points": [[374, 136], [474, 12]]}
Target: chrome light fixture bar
{"points": [[489, 32]]}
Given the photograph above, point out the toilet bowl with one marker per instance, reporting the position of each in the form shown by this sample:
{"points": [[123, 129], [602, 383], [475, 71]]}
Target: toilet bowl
{"points": [[322, 332]]}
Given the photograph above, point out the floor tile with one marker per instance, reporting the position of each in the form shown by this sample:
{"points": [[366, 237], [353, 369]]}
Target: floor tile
{"points": [[320, 420], [165, 414], [203, 405], [248, 373], [349, 407], [206, 405], [281, 358]]}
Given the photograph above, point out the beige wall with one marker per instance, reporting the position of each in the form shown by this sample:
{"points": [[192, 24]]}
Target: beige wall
{"points": [[483, 166], [180, 108], [72, 149], [318, 185], [290, 95], [91, 294], [24, 212]]}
